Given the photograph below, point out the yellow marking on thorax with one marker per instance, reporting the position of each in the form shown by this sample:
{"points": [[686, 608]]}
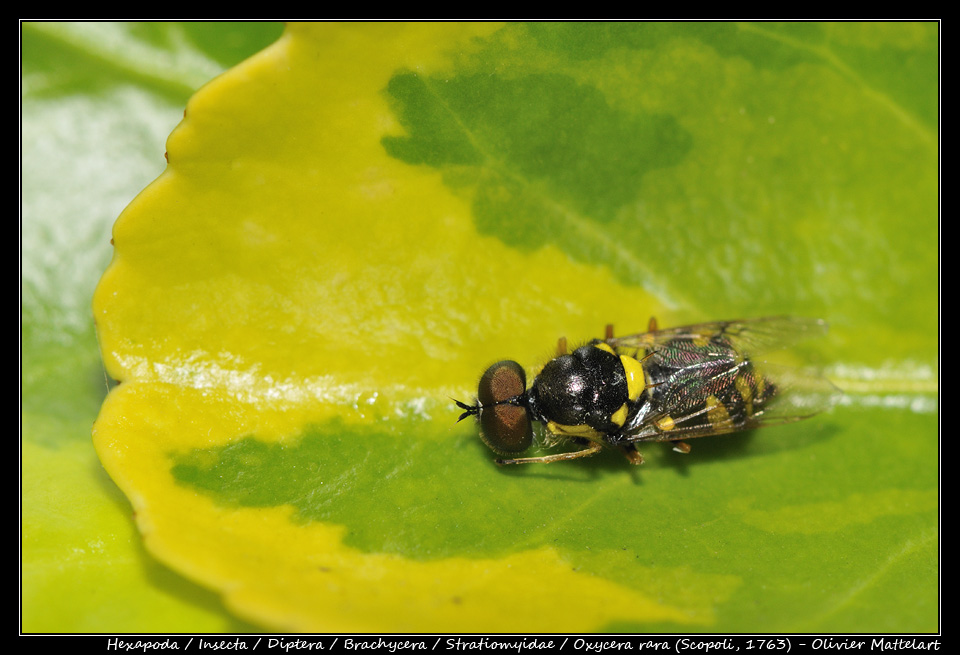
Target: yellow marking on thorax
{"points": [[636, 380], [604, 346], [620, 416]]}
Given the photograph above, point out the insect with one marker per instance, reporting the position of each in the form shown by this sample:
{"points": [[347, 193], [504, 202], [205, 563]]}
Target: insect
{"points": [[661, 385]]}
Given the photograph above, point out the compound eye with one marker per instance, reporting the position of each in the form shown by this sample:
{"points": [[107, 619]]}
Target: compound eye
{"points": [[502, 381], [505, 427]]}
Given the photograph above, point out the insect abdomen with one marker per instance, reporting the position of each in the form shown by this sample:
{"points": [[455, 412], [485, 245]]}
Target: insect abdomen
{"points": [[698, 395]]}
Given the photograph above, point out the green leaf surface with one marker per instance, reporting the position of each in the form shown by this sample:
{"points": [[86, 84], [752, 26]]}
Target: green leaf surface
{"points": [[357, 221], [98, 102]]}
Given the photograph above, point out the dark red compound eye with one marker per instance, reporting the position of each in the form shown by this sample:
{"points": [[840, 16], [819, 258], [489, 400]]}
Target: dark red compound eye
{"points": [[502, 381], [505, 427]]}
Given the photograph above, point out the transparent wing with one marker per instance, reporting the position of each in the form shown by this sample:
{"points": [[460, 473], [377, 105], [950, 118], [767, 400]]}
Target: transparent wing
{"points": [[748, 336], [794, 394], [705, 379], [801, 393]]}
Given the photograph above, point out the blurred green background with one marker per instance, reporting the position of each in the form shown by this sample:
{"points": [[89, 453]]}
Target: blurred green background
{"points": [[98, 101]]}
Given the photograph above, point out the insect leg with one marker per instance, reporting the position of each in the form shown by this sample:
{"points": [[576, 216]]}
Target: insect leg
{"points": [[608, 333], [629, 451], [652, 325], [561, 346], [592, 449], [681, 447]]}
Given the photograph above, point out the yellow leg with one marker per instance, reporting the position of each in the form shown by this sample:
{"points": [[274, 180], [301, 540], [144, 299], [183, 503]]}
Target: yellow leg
{"points": [[592, 449], [561, 346], [652, 325]]}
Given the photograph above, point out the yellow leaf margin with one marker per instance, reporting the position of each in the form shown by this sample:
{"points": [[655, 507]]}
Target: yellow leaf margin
{"points": [[204, 253]]}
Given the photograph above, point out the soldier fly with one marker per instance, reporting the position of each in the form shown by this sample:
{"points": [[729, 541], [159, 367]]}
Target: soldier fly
{"points": [[661, 385]]}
